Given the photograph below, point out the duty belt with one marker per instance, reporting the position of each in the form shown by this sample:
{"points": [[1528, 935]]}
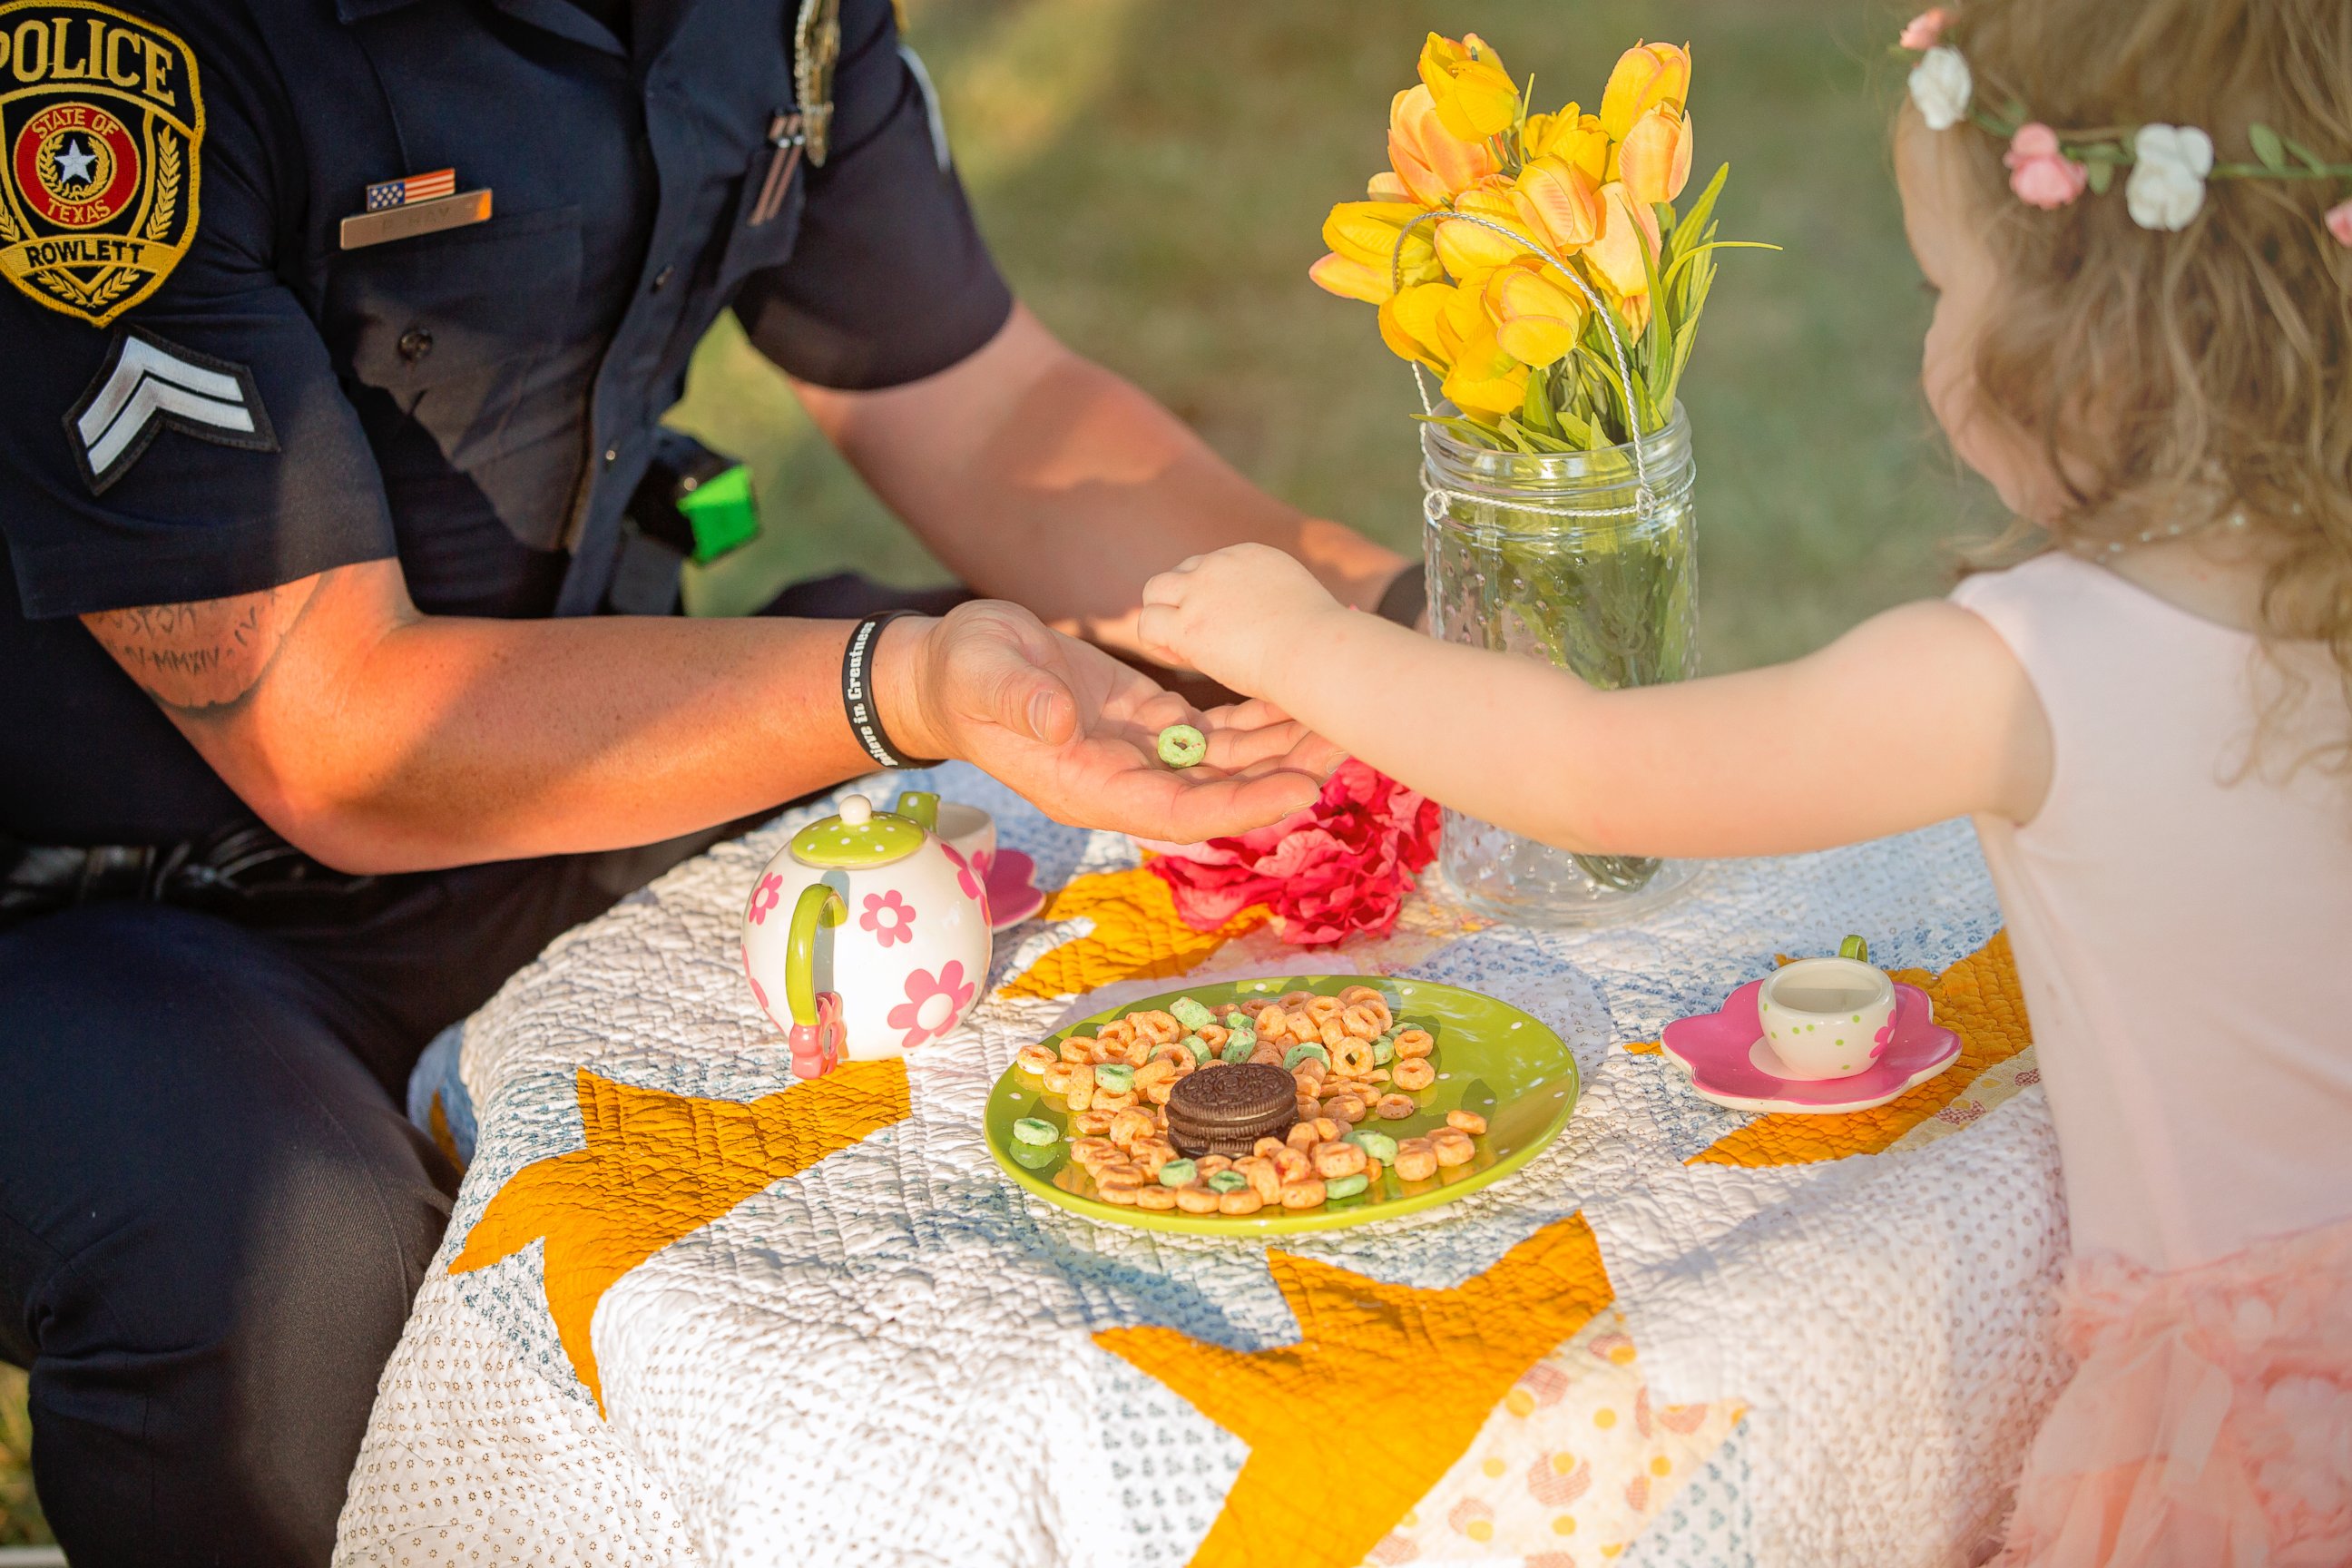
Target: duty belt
{"points": [[244, 872]]}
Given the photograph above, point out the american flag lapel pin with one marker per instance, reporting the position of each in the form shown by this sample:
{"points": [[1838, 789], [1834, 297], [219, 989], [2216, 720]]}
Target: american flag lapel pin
{"points": [[414, 204]]}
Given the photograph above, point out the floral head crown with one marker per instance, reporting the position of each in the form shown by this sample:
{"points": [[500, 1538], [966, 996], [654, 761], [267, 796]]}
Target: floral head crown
{"points": [[2169, 165]]}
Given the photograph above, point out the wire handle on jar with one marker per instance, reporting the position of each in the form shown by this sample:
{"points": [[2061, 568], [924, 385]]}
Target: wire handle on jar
{"points": [[1436, 498]]}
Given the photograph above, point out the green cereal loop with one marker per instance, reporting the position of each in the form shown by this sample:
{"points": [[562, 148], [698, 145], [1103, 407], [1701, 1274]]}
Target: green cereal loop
{"points": [[1190, 1013], [1228, 1181], [1117, 1076], [1376, 1145], [1177, 1173], [1346, 1187], [1197, 1045], [1237, 1049], [1237, 1019], [1032, 1129], [1384, 1052], [1183, 746], [1296, 1054]]}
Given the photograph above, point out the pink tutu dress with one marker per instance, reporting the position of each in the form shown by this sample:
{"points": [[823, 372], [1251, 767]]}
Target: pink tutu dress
{"points": [[2180, 909]]}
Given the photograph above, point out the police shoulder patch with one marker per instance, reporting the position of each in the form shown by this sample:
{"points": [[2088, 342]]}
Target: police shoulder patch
{"points": [[102, 122]]}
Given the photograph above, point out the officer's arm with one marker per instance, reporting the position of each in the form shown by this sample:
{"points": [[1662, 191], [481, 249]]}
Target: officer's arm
{"points": [[1033, 473], [378, 738]]}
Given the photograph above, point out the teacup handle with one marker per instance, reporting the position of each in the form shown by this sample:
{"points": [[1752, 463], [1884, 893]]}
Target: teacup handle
{"points": [[1853, 947], [818, 905], [920, 806]]}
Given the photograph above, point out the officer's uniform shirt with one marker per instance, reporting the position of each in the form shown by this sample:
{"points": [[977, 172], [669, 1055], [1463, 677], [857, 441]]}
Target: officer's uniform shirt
{"points": [[480, 402]]}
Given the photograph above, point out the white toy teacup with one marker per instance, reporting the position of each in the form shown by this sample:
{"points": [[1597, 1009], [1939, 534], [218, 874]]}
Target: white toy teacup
{"points": [[1827, 1017]]}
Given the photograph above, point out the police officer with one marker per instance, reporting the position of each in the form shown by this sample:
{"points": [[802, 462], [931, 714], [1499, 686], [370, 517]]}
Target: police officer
{"points": [[331, 347]]}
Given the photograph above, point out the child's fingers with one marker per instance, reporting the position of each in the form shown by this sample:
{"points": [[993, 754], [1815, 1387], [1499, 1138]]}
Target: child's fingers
{"points": [[1167, 587], [1160, 629]]}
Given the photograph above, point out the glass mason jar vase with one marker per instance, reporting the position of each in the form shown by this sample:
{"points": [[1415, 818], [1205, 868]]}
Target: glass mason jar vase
{"points": [[1610, 596]]}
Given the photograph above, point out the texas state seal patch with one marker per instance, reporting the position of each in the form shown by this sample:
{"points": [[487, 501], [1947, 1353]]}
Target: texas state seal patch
{"points": [[102, 122]]}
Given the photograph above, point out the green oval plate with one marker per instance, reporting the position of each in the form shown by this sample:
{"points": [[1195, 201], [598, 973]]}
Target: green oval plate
{"points": [[1491, 1058]]}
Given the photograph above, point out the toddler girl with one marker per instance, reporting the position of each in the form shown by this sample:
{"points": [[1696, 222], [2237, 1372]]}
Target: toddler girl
{"points": [[2148, 721]]}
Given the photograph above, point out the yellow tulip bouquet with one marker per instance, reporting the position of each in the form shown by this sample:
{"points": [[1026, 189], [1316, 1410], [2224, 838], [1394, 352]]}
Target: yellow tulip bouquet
{"points": [[1464, 240], [1536, 265]]}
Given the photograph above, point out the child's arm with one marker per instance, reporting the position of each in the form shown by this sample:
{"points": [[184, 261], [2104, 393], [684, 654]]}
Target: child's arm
{"points": [[1915, 716]]}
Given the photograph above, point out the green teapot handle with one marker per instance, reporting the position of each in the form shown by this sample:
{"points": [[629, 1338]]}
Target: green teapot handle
{"points": [[920, 806], [1853, 947], [819, 905]]}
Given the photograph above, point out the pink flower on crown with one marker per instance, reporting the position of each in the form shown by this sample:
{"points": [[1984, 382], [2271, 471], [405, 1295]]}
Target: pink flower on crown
{"points": [[1926, 30], [932, 1007], [2339, 223], [889, 916], [2039, 172]]}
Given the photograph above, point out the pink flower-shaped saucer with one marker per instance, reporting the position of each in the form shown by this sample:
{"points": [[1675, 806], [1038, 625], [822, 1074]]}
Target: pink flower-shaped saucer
{"points": [[1731, 1063], [1012, 895]]}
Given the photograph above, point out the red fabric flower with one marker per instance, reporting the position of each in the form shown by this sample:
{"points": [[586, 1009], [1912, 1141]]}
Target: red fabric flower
{"points": [[1341, 866]]}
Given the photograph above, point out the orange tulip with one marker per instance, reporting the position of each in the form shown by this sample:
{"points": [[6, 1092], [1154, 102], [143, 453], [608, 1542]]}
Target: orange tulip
{"points": [[1409, 325], [1571, 135], [1647, 75], [1628, 231], [1656, 159], [1432, 162], [1472, 91], [1468, 249], [1485, 379], [1560, 203], [1538, 316]]}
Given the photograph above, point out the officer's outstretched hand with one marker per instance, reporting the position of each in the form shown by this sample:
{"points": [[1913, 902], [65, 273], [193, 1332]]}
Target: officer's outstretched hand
{"points": [[1077, 732]]}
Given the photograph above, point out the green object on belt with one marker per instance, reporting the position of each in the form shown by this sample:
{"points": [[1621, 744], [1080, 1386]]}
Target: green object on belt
{"points": [[723, 512]]}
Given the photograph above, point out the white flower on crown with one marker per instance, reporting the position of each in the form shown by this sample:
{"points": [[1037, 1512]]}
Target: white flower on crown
{"points": [[1942, 88], [2166, 187]]}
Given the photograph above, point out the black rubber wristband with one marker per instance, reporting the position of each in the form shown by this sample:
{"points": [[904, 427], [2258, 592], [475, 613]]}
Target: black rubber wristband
{"points": [[1406, 597], [858, 695]]}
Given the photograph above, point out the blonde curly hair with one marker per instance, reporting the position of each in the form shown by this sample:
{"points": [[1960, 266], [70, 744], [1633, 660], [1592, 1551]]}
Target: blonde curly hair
{"points": [[2180, 376]]}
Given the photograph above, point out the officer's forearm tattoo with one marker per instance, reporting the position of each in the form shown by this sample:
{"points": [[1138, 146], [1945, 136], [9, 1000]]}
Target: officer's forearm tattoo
{"points": [[203, 659]]}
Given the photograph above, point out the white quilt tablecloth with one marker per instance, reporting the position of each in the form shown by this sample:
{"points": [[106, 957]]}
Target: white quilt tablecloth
{"points": [[891, 1356]]}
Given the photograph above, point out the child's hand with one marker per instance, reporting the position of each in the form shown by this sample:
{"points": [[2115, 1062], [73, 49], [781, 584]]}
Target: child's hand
{"points": [[1229, 614]]}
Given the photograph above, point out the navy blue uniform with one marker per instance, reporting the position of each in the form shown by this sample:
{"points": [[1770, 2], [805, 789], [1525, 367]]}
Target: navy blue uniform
{"points": [[211, 1214]]}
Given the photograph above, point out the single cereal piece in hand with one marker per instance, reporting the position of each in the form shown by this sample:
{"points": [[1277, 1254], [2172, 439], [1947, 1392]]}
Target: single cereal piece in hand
{"points": [[1246, 1200], [1337, 1159], [1469, 1121], [1183, 746], [1413, 1075], [1155, 1198], [1416, 1160], [1307, 1194], [1395, 1106], [1453, 1145]]}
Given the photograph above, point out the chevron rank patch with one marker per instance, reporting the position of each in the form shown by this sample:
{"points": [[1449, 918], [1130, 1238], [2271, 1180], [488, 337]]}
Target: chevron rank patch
{"points": [[147, 386], [101, 120]]}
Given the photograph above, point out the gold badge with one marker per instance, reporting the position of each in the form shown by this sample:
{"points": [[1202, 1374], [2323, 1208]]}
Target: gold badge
{"points": [[101, 122], [816, 49]]}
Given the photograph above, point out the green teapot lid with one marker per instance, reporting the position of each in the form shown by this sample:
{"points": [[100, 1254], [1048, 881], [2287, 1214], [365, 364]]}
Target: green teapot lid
{"points": [[859, 836]]}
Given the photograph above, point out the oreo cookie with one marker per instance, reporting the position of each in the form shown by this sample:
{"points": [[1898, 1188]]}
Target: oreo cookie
{"points": [[1226, 1110]]}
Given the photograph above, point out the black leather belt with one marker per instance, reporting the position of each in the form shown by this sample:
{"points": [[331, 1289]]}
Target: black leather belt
{"points": [[243, 872]]}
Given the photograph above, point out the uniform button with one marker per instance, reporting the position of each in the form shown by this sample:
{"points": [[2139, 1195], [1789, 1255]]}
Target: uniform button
{"points": [[416, 343], [661, 279], [612, 456]]}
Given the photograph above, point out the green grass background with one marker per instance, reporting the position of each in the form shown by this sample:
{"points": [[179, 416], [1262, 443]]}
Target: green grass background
{"points": [[1152, 174]]}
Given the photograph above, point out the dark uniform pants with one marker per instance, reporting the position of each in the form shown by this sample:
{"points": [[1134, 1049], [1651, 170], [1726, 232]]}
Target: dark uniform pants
{"points": [[214, 1213]]}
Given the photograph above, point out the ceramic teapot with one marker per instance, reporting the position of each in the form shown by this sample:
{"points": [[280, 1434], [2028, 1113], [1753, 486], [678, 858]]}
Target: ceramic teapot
{"points": [[871, 929]]}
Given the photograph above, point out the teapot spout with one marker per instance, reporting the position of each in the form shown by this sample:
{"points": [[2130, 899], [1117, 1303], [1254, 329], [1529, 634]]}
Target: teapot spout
{"points": [[921, 807]]}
